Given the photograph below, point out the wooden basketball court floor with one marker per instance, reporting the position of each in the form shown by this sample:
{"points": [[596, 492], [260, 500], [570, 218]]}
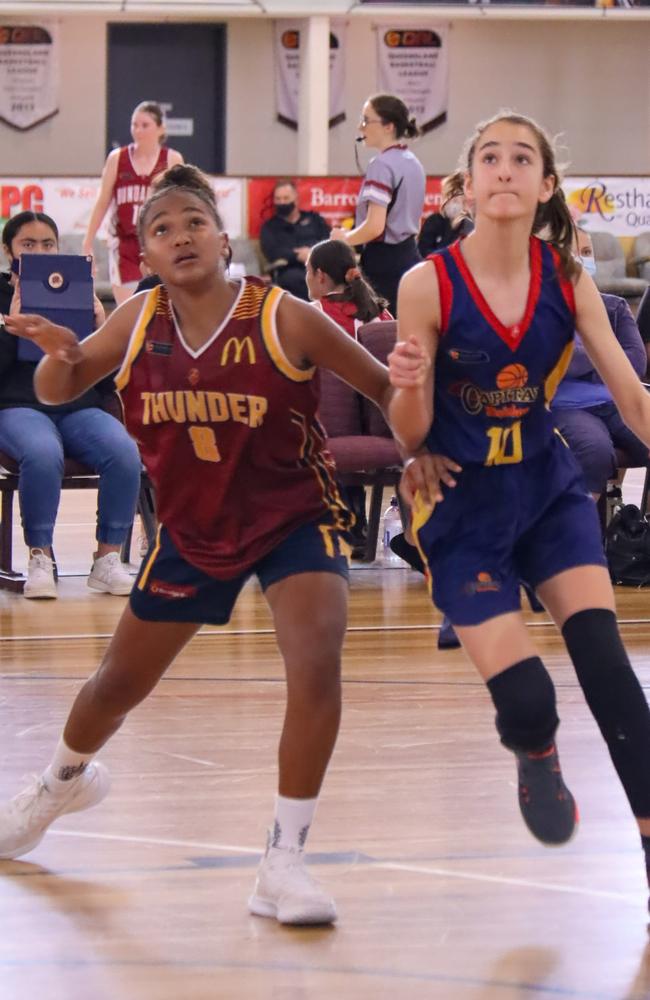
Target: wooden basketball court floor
{"points": [[442, 893]]}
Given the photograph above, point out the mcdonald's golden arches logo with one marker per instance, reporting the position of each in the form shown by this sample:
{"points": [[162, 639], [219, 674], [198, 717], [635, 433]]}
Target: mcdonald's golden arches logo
{"points": [[238, 346]]}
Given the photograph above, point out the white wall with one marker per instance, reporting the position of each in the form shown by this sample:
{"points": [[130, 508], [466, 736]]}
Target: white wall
{"points": [[589, 80], [72, 142]]}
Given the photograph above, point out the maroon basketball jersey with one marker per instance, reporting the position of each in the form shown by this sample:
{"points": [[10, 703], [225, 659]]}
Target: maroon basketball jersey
{"points": [[228, 433], [130, 191], [345, 314]]}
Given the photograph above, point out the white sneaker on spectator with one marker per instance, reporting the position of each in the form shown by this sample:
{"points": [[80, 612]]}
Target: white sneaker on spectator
{"points": [[142, 542], [24, 820], [109, 575], [284, 889], [40, 580]]}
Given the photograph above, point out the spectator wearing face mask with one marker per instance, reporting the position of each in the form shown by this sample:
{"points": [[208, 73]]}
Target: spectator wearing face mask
{"points": [[288, 236], [583, 408]]}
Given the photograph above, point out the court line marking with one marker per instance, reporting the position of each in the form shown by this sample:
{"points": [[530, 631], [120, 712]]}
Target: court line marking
{"points": [[514, 987], [373, 865], [505, 880], [192, 760], [271, 631], [158, 841]]}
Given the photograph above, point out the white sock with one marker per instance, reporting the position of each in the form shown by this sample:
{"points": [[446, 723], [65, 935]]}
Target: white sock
{"points": [[292, 821], [65, 766]]}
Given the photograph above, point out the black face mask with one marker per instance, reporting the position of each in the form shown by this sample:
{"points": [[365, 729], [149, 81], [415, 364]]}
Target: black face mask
{"points": [[284, 211]]}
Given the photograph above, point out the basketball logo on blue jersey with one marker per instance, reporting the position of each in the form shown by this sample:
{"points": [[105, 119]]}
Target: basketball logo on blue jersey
{"points": [[483, 584], [505, 400], [468, 357]]}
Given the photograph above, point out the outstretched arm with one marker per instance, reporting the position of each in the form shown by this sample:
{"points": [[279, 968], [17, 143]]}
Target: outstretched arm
{"points": [[69, 367], [309, 338]]}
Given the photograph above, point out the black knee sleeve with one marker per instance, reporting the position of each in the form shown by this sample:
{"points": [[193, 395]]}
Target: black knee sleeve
{"points": [[615, 698], [524, 698]]}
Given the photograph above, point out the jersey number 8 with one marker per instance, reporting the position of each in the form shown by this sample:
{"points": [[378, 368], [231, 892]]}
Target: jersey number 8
{"points": [[204, 443]]}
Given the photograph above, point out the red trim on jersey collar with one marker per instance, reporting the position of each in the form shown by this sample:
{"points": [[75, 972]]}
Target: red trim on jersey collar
{"points": [[566, 286], [510, 335], [396, 145], [445, 289]]}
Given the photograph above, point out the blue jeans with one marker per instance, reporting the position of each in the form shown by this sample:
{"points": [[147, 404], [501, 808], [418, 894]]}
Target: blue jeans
{"points": [[38, 442]]}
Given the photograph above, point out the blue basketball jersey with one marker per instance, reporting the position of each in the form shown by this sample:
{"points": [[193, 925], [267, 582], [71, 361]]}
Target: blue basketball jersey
{"points": [[493, 384]]}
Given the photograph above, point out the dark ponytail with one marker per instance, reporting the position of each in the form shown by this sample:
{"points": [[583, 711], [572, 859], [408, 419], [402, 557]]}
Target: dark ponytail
{"points": [[338, 261], [555, 224], [393, 111]]}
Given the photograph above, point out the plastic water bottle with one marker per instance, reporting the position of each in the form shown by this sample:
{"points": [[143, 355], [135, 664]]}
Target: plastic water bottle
{"points": [[614, 500], [392, 525]]}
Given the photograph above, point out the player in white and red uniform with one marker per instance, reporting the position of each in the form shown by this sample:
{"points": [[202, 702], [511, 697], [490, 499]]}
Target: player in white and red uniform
{"points": [[126, 178]]}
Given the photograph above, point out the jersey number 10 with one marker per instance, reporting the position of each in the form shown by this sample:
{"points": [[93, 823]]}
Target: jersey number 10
{"points": [[505, 445]]}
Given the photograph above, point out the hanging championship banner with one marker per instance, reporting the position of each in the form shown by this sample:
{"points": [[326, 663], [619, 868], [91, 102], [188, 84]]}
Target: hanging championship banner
{"points": [[287, 72], [413, 63], [29, 74]]}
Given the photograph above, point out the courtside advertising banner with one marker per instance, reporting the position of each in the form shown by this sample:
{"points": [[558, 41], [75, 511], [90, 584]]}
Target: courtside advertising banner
{"points": [[617, 205], [414, 64], [29, 73], [70, 201], [335, 198], [287, 72]]}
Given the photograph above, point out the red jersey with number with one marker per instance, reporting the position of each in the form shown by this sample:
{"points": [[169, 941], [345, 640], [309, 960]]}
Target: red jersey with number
{"points": [[130, 191], [228, 433], [345, 314]]}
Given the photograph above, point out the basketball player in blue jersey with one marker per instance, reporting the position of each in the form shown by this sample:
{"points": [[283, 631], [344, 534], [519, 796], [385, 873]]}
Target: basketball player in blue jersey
{"points": [[486, 331]]}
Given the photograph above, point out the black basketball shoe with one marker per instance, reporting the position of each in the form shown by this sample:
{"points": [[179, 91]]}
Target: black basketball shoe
{"points": [[547, 806]]}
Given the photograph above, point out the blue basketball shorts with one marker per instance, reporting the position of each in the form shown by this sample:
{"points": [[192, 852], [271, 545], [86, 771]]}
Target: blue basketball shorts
{"points": [[502, 525], [170, 589]]}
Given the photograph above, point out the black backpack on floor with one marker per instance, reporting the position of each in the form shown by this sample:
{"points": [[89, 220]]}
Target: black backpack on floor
{"points": [[627, 547]]}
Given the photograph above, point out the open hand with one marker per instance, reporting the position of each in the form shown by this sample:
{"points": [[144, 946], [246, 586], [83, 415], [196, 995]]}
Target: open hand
{"points": [[56, 341], [408, 364], [423, 474]]}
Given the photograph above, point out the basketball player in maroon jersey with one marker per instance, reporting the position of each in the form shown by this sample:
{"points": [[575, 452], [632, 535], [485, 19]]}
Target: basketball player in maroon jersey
{"points": [[218, 387], [126, 177]]}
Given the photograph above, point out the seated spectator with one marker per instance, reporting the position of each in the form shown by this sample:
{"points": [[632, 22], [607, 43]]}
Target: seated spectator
{"points": [[337, 287], [452, 221], [583, 408], [643, 323], [38, 436], [288, 236]]}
